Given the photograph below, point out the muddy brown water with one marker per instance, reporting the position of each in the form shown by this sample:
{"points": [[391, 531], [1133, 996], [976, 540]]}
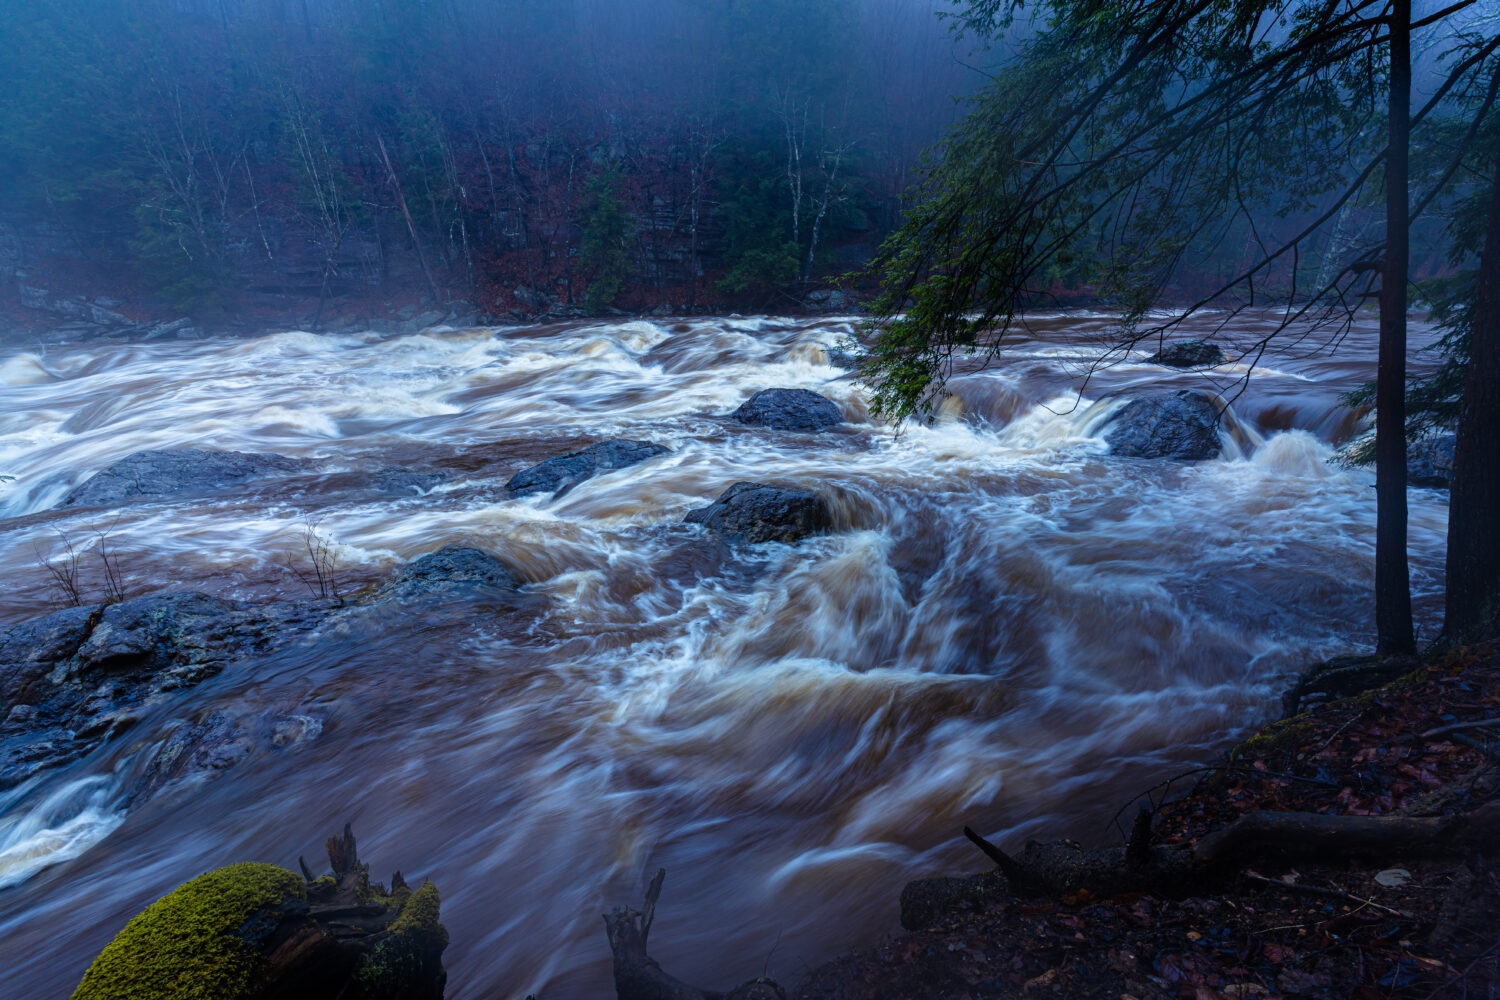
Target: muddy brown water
{"points": [[1010, 629]]}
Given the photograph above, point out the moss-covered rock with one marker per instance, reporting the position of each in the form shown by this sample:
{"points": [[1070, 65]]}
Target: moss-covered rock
{"points": [[203, 940], [257, 932]]}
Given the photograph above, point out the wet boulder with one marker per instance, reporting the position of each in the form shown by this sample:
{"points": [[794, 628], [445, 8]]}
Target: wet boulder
{"points": [[1429, 462], [156, 475], [789, 410], [755, 512], [1182, 425], [562, 472], [1188, 354], [256, 931], [450, 568]]}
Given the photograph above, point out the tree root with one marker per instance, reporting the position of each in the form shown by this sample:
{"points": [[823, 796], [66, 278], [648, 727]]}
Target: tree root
{"points": [[1065, 868], [1343, 677], [638, 976]]}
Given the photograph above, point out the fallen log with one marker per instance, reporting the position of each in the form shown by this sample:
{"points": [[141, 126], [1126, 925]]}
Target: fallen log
{"points": [[1063, 868]]}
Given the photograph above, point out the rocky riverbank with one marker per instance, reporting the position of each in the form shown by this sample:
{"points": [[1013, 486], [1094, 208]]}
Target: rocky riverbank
{"points": [[1346, 851]]}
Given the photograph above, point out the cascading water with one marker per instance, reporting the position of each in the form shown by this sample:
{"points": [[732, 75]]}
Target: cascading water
{"points": [[1008, 628]]}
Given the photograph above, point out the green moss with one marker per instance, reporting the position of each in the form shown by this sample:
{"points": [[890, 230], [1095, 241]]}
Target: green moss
{"points": [[1275, 738], [413, 952], [198, 941], [421, 913]]}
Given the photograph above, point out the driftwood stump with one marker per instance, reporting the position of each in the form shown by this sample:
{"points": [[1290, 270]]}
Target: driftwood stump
{"points": [[638, 976]]}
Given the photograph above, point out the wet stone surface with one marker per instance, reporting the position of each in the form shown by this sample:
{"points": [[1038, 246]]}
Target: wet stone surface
{"points": [[789, 410], [1181, 425], [559, 473], [155, 475], [755, 512]]}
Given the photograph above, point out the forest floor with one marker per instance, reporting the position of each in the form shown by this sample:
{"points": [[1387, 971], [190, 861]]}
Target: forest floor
{"points": [[1412, 922]]}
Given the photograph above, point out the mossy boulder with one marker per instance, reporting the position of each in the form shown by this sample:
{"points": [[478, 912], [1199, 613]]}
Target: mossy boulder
{"points": [[201, 940], [257, 932]]}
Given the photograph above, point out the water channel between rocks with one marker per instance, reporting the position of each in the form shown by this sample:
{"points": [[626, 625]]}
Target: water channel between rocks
{"points": [[1007, 628]]}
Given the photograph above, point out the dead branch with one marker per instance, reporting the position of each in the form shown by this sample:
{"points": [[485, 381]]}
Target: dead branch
{"points": [[638, 976]]}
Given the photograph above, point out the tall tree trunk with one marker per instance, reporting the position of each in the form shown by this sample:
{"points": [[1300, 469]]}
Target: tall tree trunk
{"points": [[1473, 604], [1392, 577], [416, 242]]}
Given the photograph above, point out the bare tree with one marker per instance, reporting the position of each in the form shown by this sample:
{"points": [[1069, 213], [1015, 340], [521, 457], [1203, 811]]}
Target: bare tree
{"points": [[320, 575], [64, 571]]}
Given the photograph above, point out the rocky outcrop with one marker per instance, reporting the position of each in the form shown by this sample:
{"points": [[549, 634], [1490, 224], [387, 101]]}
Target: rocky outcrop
{"points": [[156, 475], [1429, 462], [789, 410], [754, 512], [1182, 425], [70, 680], [1188, 354], [562, 472], [258, 931]]}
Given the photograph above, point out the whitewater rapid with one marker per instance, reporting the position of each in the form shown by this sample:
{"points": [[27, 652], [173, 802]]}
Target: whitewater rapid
{"points": [[1008, 628]]}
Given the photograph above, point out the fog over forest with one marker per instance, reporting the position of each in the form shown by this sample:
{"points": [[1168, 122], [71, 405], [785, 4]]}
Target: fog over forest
{"points": [[524, 155]]}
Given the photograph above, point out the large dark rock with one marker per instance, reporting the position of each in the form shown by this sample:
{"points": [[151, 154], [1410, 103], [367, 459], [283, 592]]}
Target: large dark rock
{"points": [[448, 568], [155, 475], [789, 410], [1188, 354], [754, 512], [561, 472], [1181, 424], [1429, 462]]}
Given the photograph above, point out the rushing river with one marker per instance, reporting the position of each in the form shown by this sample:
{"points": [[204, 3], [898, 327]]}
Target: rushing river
{"points": [[1008, 628]]}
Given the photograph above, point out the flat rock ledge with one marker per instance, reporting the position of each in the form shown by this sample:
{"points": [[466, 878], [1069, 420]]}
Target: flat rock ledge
{"points": [[157, 475]]}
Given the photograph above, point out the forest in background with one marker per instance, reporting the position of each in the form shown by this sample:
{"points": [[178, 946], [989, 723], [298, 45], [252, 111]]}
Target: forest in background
{"points": [[528, 157]]}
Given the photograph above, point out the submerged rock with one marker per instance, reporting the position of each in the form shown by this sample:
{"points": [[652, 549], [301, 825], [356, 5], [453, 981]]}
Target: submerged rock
{"points": [[155, 475], [1188, 354], [789, 410], [561, 472], [257, 931], [754, 512], [1429, 462], [404, 482], [1181, 424]]}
